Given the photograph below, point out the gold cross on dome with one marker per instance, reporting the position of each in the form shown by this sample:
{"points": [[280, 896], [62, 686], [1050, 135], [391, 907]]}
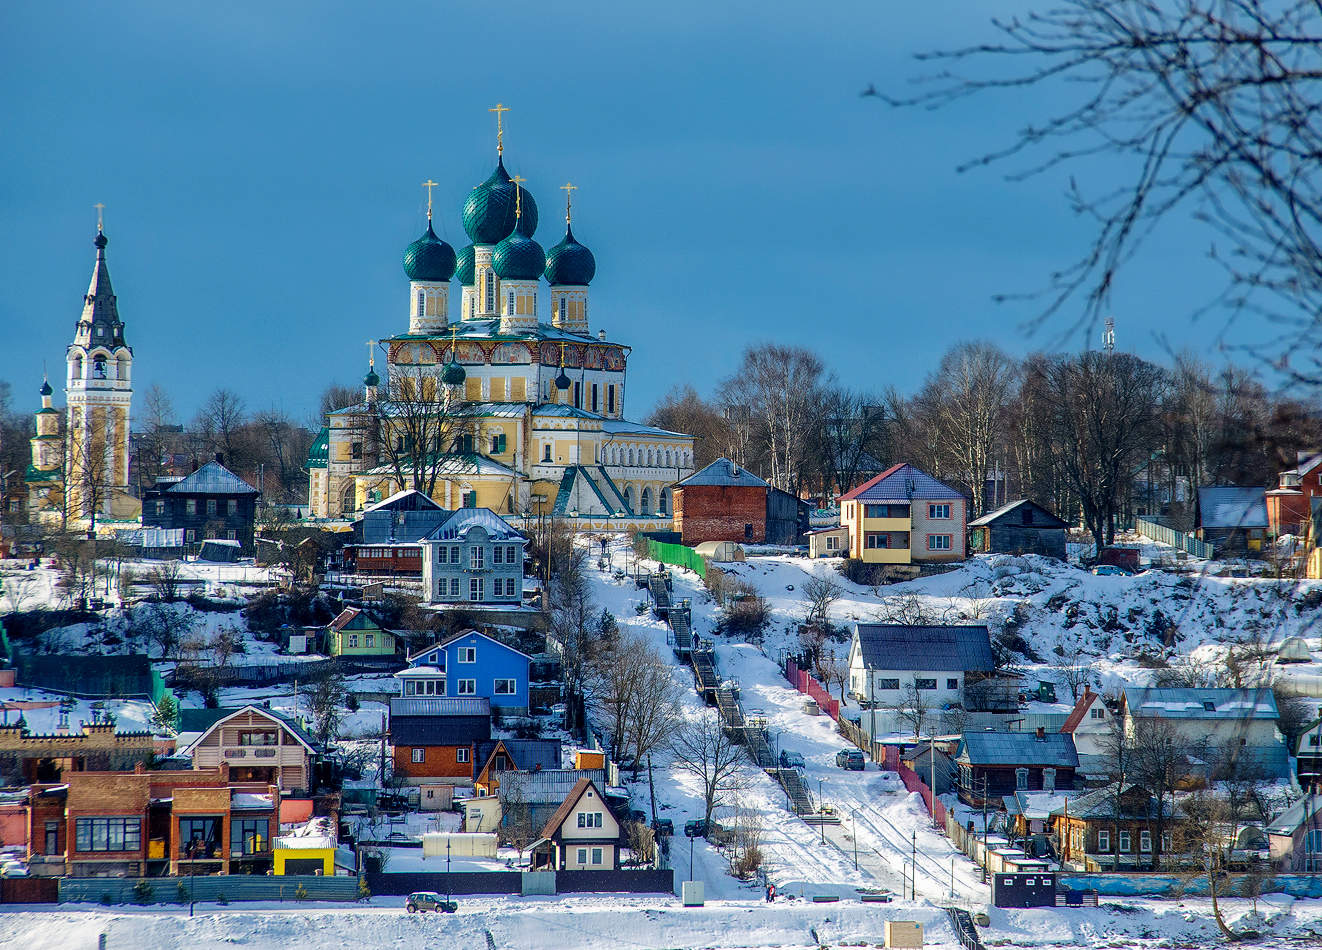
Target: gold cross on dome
{"points": [[500, 109], [100, 217], [518, 181], [429, 185], [371, 352], [568, 188]]}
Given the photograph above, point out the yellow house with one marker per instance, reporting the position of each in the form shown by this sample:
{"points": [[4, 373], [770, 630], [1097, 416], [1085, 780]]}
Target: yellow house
{"points": [[904, 517], [303, 860], [1313, 542]]}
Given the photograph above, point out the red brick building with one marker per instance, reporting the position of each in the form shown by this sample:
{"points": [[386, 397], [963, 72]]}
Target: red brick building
{"points": [[722, 502], [1289, 504]]}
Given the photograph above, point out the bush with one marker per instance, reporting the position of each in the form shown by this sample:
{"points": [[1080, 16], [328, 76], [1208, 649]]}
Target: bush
{"points": [[181, 893], [364, 892], [221, 899], [301, 894], [107, 900], [143, 892], [746, 615], [747, 862], [863, 574]]}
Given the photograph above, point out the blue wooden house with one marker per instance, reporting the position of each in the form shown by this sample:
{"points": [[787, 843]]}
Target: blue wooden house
{"points": [[469, 665]]}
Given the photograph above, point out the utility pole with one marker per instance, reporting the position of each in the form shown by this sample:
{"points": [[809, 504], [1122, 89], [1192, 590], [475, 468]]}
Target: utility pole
{"points": [[984, 829], [913, 874], [853, 824]]}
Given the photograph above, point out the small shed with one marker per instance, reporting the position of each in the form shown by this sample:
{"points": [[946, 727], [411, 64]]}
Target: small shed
{"points": [[220, 550], [1232, 519], [828, 542], [1021, 527], [1294, 650], [720, 551]]}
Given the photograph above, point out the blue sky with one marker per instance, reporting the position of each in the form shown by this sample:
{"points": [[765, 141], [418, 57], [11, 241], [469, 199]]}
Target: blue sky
{"points": [[261, 166]]}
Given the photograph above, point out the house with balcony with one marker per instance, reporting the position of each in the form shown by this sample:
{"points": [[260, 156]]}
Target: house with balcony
{"points": [[474, 558], [903, 519], [470, 664], [255, 744]]}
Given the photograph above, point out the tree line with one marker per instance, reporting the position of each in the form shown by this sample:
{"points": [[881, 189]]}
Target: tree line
{"points": [[1097, 436]]}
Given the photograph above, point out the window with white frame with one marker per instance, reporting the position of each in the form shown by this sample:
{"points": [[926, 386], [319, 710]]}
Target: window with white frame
{"points": [[589, 819], [454, 554], [1020, 779], [461, 754], [475, 588], [582, 855], [1125, 841], [454, 588], [369, 639], [597, 856], [1145, 841], [467, 655], [353, 640], [467, 687], [939, 542], [938, 512], [1103, 841], [503, 687], [497, 554], [477, 557], [419, 755]]}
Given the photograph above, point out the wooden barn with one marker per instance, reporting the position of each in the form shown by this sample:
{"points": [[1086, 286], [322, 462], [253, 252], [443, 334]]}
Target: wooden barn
{"points": [[1021, 527]]}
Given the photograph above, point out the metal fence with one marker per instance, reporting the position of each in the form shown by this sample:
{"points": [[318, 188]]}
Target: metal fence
{"points": [[1179, 540], [209, 888], [810, 687], [677, 555], [189, 676]]}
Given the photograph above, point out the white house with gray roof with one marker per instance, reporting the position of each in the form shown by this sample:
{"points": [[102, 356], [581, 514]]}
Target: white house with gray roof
{"points": [[474, 557], [1220, 730], [886, 660]]}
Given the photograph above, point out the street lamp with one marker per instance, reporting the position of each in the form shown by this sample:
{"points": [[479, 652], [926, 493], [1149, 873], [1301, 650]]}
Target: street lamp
{"points": [[820, 811]]}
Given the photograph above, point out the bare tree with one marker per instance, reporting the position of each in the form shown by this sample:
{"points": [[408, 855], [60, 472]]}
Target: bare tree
{"points": [[218, 424], [705, 750], [683, 410], [1074, 672], [415, 430], [641, 840], [913, 707], [326, 704], [90, 467], [820, 593], [516, 825], [1212, 106], [167, 579], [851, 438], [1159, 760], [632, 692], [1202, 835]]}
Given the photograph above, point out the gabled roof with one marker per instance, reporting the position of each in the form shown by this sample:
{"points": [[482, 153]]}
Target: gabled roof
{"points": [[571, 800], [723, 473], [212, 479], [1041, 518], [939, 647], [294, 729], [1051, 750], [442, 644], [457, 526], [547, 787], [1101, 803], [901, 483], [410, 499], [1210, 704], [440, 722], [352, 618], [526, 755], [1232, 507], [1080, 710]]}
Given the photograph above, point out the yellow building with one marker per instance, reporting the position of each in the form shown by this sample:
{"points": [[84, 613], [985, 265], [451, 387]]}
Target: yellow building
{"points": [[904, 517], [500, 408]]}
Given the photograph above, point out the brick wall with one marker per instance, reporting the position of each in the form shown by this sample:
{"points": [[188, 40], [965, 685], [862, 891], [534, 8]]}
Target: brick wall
{"points": [[720, 513]]}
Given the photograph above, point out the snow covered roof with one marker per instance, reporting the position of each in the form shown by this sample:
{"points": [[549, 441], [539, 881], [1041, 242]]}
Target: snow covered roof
{"points": [[1185, 703], [901, 482], [1232, 507], [1288, 822], [410, 499], [723, 473], [462, 521], [1051, 749], [248, 800], [938, 647]]}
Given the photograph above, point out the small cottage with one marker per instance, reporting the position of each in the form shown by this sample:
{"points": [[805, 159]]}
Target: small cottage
{"points": [[355, 633], [995, 764], [582, 834], [1021, 527]]}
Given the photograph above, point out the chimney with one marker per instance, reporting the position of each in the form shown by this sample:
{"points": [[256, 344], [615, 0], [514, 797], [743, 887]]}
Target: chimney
{"points": [[601, 335], [1041, 734]]}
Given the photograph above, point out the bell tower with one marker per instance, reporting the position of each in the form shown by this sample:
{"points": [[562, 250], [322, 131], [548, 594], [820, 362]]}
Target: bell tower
{"points": [[98, 394]]}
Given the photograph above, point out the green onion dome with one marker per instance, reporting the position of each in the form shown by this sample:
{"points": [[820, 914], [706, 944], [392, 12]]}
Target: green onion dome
{"points": [[453, 374], [561, 380], [429, 258], [570, 263], [371, 379], [518, 257], [45, 387], [489, 208], [464, 266]]}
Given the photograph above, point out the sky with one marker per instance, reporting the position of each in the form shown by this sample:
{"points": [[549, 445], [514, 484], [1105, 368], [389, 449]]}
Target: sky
{"points": [[261, 166]]}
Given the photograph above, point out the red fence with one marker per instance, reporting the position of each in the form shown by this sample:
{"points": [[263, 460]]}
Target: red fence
{"points": [[815, 690], [915, 784]]}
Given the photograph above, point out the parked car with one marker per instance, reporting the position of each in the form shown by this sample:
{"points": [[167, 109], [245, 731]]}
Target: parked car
{"points": [[851, 759], [700, 828], [664, 828], [791, 760], [419, 902], [1110, 570]]}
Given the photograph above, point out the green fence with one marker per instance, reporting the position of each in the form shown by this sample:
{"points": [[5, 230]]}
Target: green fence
{"points": [[1155, 531], [677, 555], [228, 887]]}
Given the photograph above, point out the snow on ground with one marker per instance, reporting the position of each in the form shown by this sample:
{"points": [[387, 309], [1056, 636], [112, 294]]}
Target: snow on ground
{"points": [[613, 921]]}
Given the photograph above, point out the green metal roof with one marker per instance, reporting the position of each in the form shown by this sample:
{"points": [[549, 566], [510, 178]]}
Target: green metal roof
{"points": [[464, 266], [489, 209], [34, 474], [518, 256], [429, 258], [319, 451], [570, 264]]}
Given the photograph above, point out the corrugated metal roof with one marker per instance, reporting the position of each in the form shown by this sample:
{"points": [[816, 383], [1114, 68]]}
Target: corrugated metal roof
{"points": [[723, 472], [458, 525], [549, 786], [1184, 703], [410, 499], [452, 464], [1231, 507], [901, 483], [1048, 521], [907, 647], [1052, 749], [528, 754], [212, 479], [440, 706]]}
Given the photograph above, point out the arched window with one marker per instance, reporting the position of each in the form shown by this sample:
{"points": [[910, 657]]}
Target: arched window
{"points": [[122, 369], [649, 457], [347, 501], [78, 368], [628, 497], [663, 502], [631, 456], [646, 501], [99, 368]]}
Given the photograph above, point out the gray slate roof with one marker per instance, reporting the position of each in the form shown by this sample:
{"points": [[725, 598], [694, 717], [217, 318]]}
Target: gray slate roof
{"points": [[723, 472], [458, 524], [1054, 749], [906, 647], [1229, 507], [547, 787], [530, 755], [1041, 518], [1182, 703], [212, 479]]}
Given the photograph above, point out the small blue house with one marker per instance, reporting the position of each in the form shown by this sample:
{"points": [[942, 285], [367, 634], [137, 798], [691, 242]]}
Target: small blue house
{"points": [[469, 665]]}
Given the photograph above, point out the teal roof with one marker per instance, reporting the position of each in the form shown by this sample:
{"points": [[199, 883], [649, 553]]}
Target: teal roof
{"points": [[34, 474], [429, 258], [319, 451], [45, 387], [371, 379], [489, 208], [464, 265], [518, 257], [453, 374], [570, 263]]}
